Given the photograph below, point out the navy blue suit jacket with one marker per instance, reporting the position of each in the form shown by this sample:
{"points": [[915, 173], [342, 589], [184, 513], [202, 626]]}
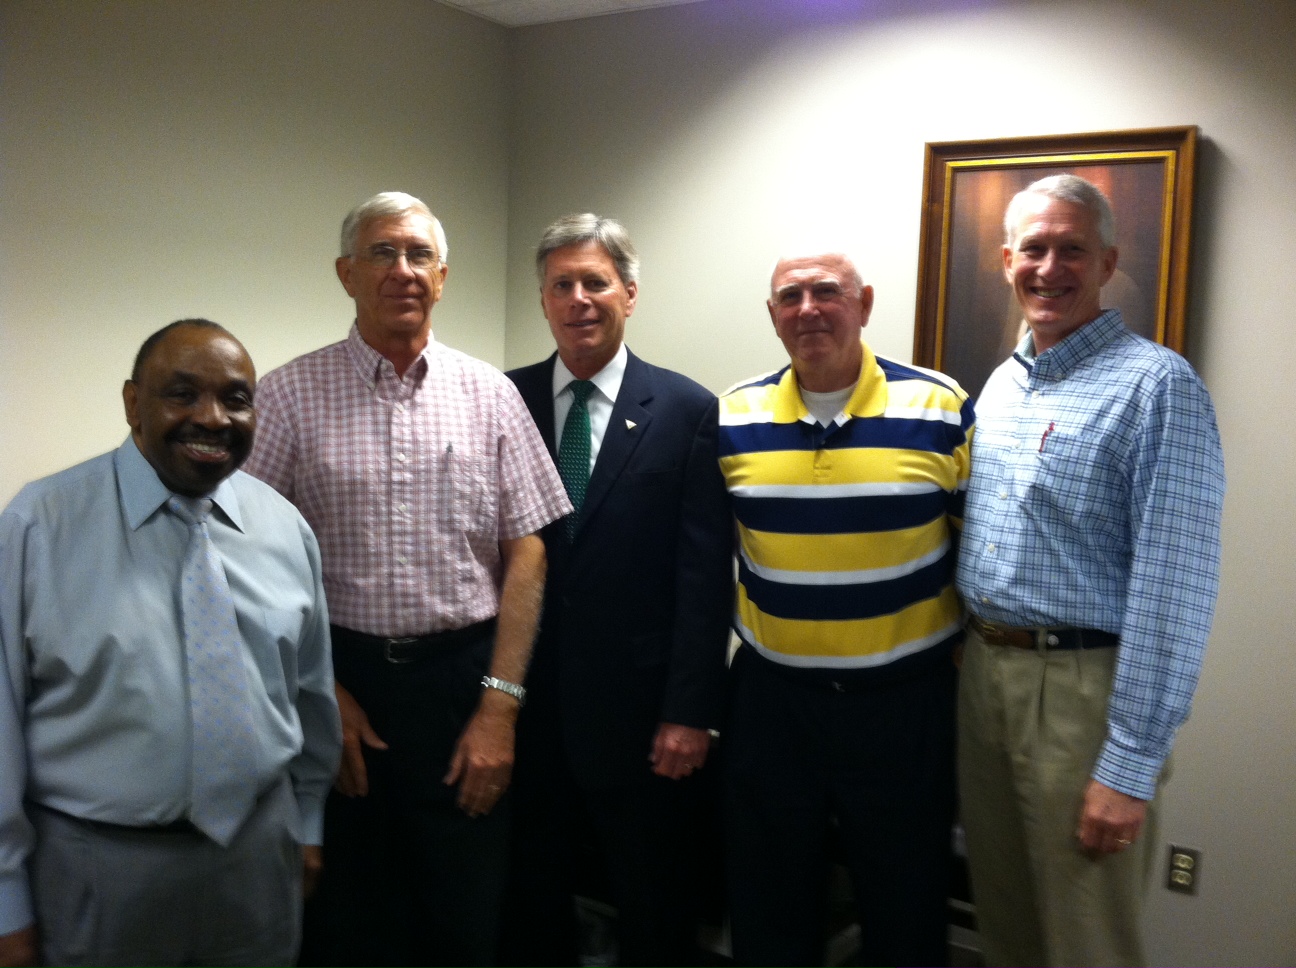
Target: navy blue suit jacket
{"points": [[638, 604]]}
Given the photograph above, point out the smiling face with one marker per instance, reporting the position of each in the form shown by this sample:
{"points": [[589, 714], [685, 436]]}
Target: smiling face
{"points": [[587, 305], [819, 310], [394, 302], [190, 412], [1057, 266]]}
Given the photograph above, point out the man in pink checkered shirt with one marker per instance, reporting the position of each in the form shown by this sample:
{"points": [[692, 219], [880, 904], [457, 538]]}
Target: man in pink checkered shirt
{"points": [[426, 482]]}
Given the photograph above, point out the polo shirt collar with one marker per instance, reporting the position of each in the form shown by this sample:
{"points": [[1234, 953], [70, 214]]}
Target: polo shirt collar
{"points": [[868, 400]]}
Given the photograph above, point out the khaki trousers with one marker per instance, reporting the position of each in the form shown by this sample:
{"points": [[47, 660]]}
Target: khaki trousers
{"points": [[1031, 725]]}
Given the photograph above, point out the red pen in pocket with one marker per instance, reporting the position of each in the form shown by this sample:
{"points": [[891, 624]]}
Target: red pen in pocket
{"points": [[1046, 435]]}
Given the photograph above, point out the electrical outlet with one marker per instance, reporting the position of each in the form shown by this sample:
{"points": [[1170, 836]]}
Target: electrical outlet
{"points": [[1185, 869]]}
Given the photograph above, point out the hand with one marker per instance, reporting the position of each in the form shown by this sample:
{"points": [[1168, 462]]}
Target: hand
{"points": [[1109, 820], [18, 948], [312, 869], [482, 763], [353, 778], [678, 750]]}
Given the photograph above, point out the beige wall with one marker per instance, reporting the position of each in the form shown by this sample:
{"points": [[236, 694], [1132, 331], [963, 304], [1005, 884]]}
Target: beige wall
{"points": [[161, 159], [719, 130]]}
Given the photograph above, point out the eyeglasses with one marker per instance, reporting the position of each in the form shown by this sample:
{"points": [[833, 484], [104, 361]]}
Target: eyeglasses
{"points": [[386, 256]]}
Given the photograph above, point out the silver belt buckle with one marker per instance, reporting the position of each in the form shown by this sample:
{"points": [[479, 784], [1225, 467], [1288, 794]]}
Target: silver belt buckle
{"points": [[1046, 639], [390, 644]]}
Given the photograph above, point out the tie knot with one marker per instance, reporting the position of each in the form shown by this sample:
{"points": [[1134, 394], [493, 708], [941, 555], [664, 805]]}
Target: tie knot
{"points": [[192, 510], [581, 389]]}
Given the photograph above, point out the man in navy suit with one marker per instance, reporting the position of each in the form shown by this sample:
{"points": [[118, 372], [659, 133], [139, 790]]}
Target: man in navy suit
{"points": [[628, 671]]}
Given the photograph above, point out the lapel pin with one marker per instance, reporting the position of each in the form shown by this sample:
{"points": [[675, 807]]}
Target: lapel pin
{"points": [[630, 425]]}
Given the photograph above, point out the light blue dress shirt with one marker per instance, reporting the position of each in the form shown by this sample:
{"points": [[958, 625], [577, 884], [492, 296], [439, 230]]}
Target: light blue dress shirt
{"points": [[1095, 501], [94, 713]]}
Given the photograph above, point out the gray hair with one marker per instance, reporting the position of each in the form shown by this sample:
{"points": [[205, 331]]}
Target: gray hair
{"points": [[588, 227], [389, 205], [1064, 188]]}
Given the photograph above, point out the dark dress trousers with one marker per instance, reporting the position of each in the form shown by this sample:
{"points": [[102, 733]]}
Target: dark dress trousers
{"points": [[633, 635]]}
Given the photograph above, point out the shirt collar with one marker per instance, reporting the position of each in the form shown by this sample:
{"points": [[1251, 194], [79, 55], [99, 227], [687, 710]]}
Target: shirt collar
{"points": [[142, 492], [1057, 361], [868, 400], [608, 380], [369, 362]]}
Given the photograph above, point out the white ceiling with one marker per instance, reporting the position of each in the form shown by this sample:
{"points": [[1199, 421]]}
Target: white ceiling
{"points": [[518, 13]]}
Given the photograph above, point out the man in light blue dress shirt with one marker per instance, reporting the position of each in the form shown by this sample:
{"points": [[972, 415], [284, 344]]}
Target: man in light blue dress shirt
{"points": [[1090, 565], [103, 858]]}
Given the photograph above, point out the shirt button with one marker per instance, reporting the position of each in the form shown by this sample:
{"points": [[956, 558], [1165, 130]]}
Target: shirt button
{"points": [[402, 508], [985, 600], [400, 457], [1003, 495], [400, 408], [401, 559], [990, 548]]}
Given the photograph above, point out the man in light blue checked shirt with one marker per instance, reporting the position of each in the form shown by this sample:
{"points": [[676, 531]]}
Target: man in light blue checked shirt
{"points": [[1089, 566]]}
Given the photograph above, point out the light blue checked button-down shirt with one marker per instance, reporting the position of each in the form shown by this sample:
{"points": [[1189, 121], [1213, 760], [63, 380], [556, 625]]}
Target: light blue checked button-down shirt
{"points": [[1095, 501]]}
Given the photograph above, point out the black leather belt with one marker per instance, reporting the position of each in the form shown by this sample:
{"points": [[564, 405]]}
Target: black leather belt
{"points": [[401, 650], [1042, 637]]}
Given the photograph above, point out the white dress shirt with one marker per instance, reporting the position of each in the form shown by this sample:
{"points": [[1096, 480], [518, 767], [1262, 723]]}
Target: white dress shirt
{"points": [[607, 383]]}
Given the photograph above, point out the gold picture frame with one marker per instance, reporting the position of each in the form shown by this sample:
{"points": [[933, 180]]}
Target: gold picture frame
{"points": [[967, 321]]}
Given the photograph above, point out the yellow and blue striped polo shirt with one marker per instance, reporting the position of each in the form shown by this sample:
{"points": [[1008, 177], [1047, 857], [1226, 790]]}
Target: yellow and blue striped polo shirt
{"points": [[848, 534]]}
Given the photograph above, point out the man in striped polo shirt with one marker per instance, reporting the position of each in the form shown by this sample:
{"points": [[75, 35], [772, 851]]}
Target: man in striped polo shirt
{"points": [[847, 472]]}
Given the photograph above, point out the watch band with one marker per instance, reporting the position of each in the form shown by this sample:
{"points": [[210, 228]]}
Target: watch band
{"points": [[503, 685]]}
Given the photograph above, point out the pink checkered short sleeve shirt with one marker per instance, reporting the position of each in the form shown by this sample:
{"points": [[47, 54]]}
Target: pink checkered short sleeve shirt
{"points": [[409, 483]]}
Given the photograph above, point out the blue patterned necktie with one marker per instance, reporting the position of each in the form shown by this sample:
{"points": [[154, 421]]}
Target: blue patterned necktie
{"points": [[223, 757], [574, 451]]}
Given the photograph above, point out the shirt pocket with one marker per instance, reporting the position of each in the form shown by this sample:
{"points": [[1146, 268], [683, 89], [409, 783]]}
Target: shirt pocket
{"points": [[1073, 478], [464, 484]]}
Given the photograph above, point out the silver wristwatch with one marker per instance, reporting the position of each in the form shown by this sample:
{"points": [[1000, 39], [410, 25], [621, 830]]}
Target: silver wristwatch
{"points": [[503, 685]]}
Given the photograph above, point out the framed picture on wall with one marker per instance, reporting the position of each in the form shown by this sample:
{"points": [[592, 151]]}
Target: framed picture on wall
{"points": [[968, 320]]}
